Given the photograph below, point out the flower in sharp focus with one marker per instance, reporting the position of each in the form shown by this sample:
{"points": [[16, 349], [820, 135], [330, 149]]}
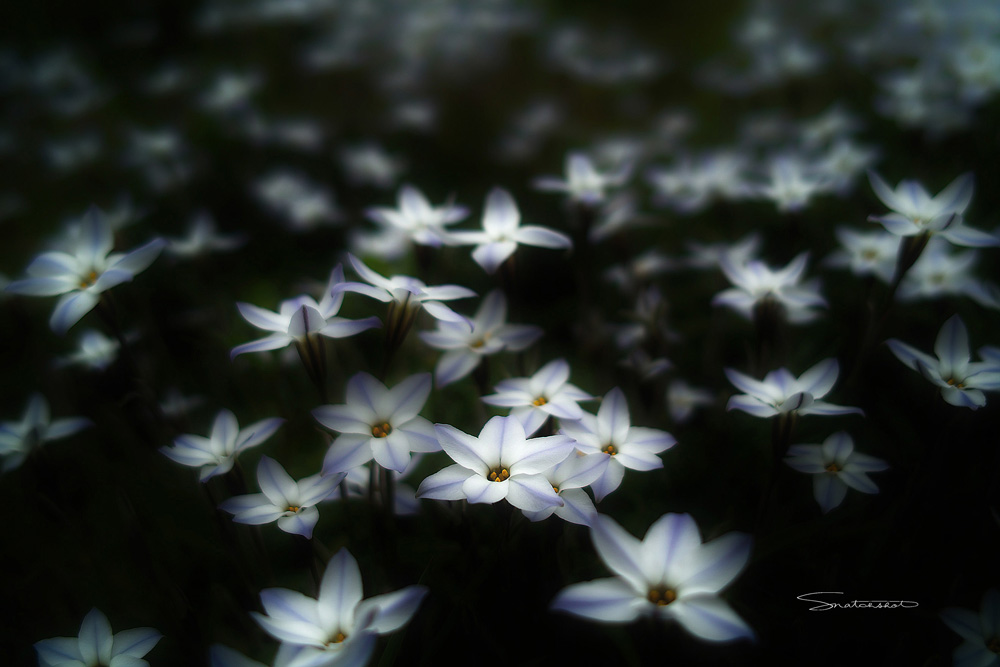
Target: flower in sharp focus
{"points": [[417, 219], [502, 232], [755, 285], [337, 628], [981, 632], [915, 212], [81, 274], [780, 392], [669, 575], [464, 349], [378, 422], [96, 646], [18, 439], [835, 467], [501, 463], [583, 183], [216, 454], [961, 380], [290, 503], [545, 394], [300, 318], [610, 433]]}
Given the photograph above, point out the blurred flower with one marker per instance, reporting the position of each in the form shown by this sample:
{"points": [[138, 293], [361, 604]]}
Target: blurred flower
{"points": [[793, 183], [83, 273], [866, 253], [464, 349], [710, 255], [298, 201], [780, 392], [97, 646], [369, 164], [940, 272], [502, 232], [568, 479], [500, 463], [682, 399], [755, 286], [96, 351], [231, 91], [378, 422], [203, 239], [216, 454], [300, 318], [981, 632], [404, 496], [583, 184], [611, 434], [292, 504], [545, 394], [417, 219], [669, 575], [960, 379], [694, 183], [338, 627], [915, 212], [18, 439], [835, 466]]}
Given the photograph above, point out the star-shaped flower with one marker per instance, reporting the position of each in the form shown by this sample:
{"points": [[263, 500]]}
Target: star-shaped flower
{"points": [[378, 422], [583, 182], [97, 646], [981, 632], [755, 284], [568, 480], [501, 463], [18, 439], [835, 466], [502, 232], [416, 218], [780, 392], [216, 454], [88, 269], [290, 503], [669, 575], [545, 394]]}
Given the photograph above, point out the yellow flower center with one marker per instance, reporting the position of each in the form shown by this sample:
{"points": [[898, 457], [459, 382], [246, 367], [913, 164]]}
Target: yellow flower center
{"points": [[832, 467], [869, 254], [610, 449], [381, 430], [661, 597], [958, 384], [555, 488], [498, 475], [89, 280], [540, 401], [337, 639]]}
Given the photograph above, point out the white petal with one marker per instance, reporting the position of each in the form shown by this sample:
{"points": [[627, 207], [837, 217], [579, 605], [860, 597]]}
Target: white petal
{"points": [[710, 618], [620, 551], [274, 482], [445, 484], [70, 309], [609, 600]]}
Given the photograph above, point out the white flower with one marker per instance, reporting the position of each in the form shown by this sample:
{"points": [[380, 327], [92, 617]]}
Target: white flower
{"points": [[378, 422], [545, 394], [416, 218], [916, 212], [370, 164], [96, 646], [501, 463], [502, 232], [96, 351], [682, 399], [202, 239], [780, 392], [866, 253], [216, 454], [793, 183], [981, 632], [568, 479], [338, 627], [669, 575], [290, 503], [297, 200], [300, 318], [583, 182], [83, 273], [18, 439], [940, 272], [960, 379], [611, 434], [835, 466], [755, 284], [464, 349]]}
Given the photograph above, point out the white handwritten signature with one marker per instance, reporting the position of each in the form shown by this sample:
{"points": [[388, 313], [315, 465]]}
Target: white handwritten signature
{"points": [[823, 605]]}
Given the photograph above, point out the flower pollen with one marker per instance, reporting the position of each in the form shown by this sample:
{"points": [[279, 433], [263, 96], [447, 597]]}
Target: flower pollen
{"points": [[610, 449], [661, 597], [958, 384], [381, 430], [498, 475], [832, 467], [539, 402], [89, 280], [337, 639]]}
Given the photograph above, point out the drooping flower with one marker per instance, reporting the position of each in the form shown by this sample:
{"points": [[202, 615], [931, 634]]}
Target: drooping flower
{"points": [[216, 454], [338, 627], [97, 646], [835, 466], [780, 392], [961, 380], [755, 285], [669, 575], [981, 632], [378, 422], [545, 394], [292, 504], [501, 463], [300, 319], [502, 232], [85, 271], [18, 439], [465, 350], [611, 434]]}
